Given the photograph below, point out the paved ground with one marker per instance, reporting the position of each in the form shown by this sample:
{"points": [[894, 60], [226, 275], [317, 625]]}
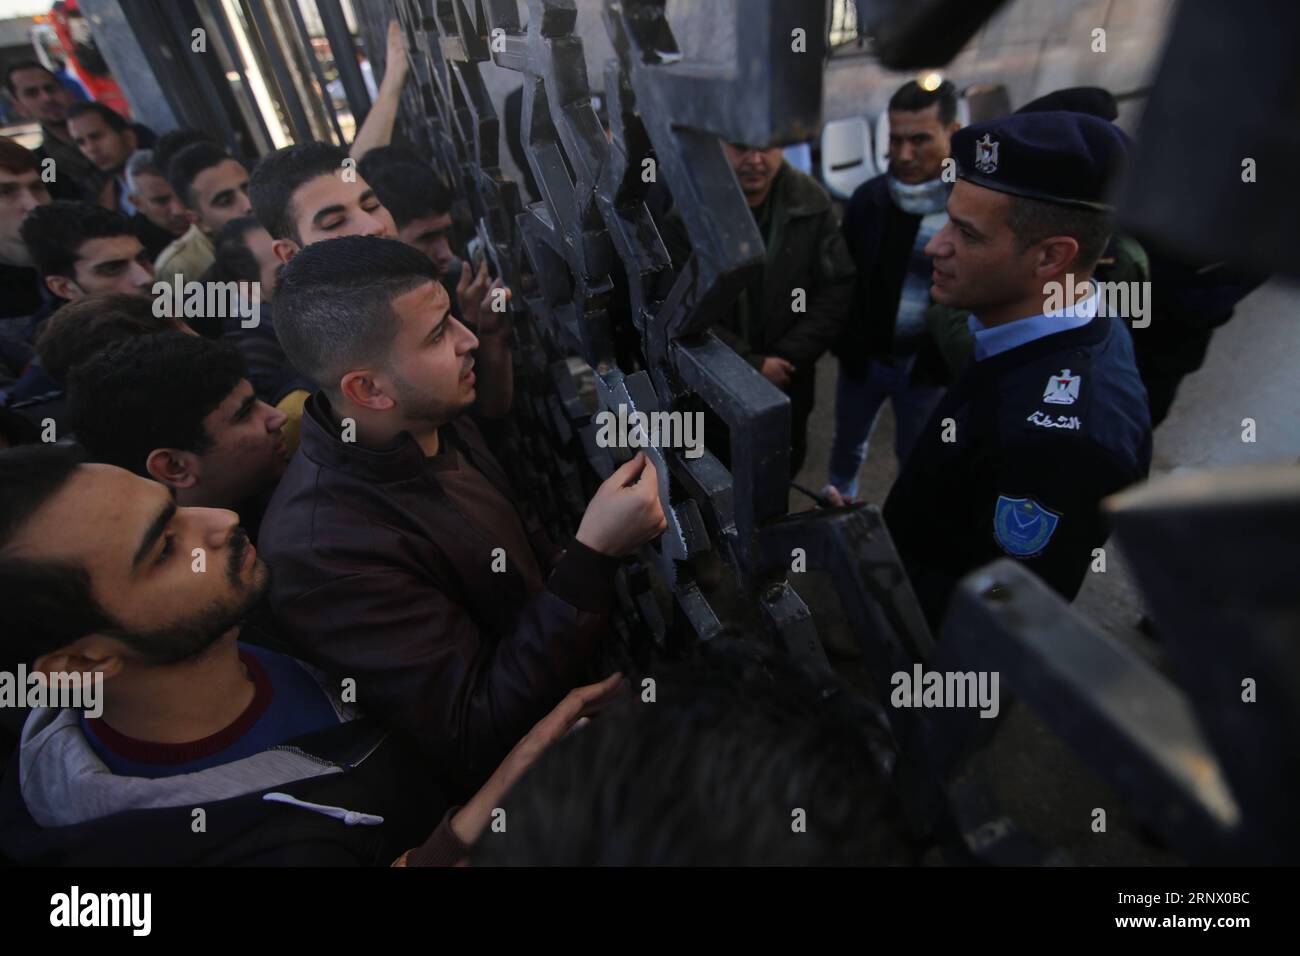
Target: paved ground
{"points": [[1248, 373]]}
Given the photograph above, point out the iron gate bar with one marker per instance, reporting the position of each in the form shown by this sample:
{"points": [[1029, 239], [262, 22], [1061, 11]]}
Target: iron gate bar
{"points": [[218, 16], [345, 58], [310, 51], [288, 93], [177, 17]]}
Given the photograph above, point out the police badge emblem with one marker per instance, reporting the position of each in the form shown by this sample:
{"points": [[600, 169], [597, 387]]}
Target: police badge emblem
{"points": [[1022, 527], [986, 154], [1062, 389]]}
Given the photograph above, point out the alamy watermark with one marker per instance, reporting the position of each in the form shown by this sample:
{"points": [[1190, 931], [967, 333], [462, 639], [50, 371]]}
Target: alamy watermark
{"points": [[624, 429], [944, 689], [82, 691], [75, 909], [211, 300], [1123, 300]]}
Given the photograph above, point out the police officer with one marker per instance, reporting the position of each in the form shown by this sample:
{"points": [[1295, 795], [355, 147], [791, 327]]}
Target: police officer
{"points": [[1050, 416]]}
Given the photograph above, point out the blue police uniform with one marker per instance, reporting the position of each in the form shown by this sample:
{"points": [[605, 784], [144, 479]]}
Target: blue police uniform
{"points": [[1048, 419]]}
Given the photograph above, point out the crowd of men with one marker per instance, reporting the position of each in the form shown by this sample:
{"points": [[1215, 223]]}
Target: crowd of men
{"points": [[319, 608]]}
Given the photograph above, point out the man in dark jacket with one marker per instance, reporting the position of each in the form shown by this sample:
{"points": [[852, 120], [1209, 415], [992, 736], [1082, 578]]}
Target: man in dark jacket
{"points": [[886, 353], [182, 743], [399, 557], [794, 308]]}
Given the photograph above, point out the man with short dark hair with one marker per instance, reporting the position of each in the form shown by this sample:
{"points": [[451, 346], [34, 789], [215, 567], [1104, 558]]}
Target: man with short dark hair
{"points": [[100, 581], [82, 249], [420, 205], [886, 353], [213, 186], [385, 530], [179, 409], [161, 218], [40, 96], [1051, 416], [107, 140], [170, 144], [311, 191]]}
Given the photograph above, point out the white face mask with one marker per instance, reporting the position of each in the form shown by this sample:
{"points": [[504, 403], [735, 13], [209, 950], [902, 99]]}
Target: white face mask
{"points": [[921, 199]]}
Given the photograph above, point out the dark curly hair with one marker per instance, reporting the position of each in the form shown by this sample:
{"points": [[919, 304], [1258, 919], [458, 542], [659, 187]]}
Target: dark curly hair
{"points": [[80, 329], [150, 392], [743, 758]]}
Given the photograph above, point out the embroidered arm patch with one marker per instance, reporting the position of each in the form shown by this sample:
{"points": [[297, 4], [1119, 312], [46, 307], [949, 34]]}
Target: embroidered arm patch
{"points": [[1022, 527]]}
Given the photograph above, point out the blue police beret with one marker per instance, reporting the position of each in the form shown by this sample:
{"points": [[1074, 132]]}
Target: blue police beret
{"points": [[1066, 158]]}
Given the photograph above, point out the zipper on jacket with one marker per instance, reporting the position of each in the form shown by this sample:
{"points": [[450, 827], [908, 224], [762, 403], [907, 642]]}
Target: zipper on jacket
{"points": [[319, 761], [322, 762]]}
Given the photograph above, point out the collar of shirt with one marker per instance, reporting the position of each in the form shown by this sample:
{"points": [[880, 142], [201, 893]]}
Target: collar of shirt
{"points": [[124, 204], [1001, 338]]}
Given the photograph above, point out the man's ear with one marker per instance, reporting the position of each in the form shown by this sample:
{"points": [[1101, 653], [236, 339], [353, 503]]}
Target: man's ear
{"points": [[93, 653], [173, 467], [1056, 256], [285, 249], [135, 200], [360, 389], [64, 287], [132, 141]]}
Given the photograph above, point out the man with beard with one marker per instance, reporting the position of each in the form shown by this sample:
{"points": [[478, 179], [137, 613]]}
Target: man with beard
{"points": [[213, 186], [103, 576]]}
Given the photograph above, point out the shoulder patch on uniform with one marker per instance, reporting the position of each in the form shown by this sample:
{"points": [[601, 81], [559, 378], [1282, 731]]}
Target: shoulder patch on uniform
{"points": [[1062, 389], [1022, 527]]}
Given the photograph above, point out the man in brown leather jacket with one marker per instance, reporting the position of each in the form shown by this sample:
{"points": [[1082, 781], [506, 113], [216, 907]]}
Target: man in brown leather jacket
{"points": [[398, 556]]}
